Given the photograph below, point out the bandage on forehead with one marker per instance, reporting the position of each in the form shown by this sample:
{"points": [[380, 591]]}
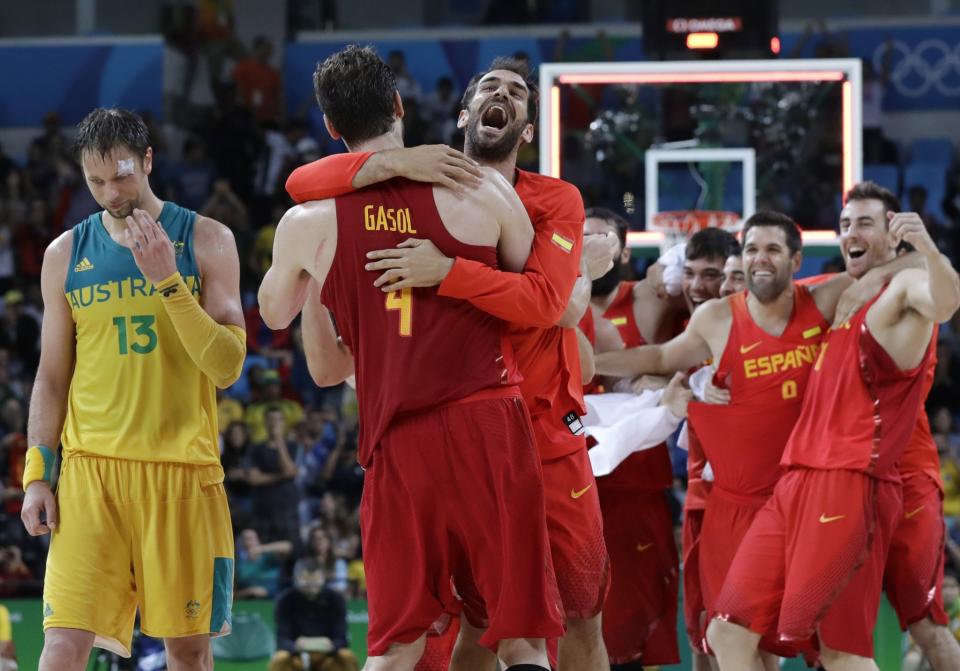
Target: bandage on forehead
{"points": [[124, 167]]}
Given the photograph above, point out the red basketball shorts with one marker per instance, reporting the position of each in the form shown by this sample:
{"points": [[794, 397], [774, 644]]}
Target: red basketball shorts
{"points": [[817, 546], [726, 521], [640, 614], [693, 604], [913, 577], [575, 532], [457, 492]]}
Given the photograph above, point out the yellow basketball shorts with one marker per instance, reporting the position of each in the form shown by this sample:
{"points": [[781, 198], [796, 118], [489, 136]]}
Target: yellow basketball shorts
{"points": [[139, 535]]}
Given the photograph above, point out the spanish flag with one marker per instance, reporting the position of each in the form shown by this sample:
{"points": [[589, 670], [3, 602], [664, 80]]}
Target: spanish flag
{"points": [[562, 242]]}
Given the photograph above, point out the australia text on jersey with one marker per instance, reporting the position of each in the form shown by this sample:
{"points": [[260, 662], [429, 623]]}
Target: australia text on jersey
{"points": [[127, 287]]}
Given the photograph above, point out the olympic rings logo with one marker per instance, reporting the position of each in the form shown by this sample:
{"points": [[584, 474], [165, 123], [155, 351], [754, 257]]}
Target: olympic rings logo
{"points": [[931, 64]]}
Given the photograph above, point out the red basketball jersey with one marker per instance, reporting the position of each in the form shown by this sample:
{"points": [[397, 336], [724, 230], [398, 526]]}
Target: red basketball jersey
{"points": [[921, 456], [413, 350], [648, 469], [767, 378], [620, 314], [860, 409]]}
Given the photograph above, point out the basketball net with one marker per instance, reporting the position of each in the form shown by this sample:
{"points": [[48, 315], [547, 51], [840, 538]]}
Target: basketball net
{"points": [[678, 225]]}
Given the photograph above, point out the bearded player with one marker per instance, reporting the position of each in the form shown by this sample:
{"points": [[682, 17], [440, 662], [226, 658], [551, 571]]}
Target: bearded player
{"points": [[816, 550], [142, 322], [640, 616], [496, 115]]}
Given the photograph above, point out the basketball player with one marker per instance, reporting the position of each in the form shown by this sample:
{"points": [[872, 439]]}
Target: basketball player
{"points": [[142, 321], [499, 109], [428, 436], [640, 615], [734, 279], [816, 551], [913, 576]]}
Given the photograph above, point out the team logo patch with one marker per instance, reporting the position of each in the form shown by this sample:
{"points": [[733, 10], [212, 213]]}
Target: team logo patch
{"points": [[47, 610], [619, 321], [562, 242], [83, 265], [192, 610], [815, 331], [169, 290], [178, 246]]}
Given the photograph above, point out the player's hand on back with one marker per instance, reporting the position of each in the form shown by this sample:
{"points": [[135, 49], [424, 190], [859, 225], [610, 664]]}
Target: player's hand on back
{"points": [[676, 396], [436, 164], [39, 501], [151, 247], [598, 252], [648, 383], [412, 263]]}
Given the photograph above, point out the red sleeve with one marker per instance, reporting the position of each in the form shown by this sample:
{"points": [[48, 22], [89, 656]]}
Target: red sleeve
{"points": [[537, 296], [328, 177]]}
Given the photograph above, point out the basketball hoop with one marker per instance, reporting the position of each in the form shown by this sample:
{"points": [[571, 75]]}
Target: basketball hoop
{"points": [[678, 225]]}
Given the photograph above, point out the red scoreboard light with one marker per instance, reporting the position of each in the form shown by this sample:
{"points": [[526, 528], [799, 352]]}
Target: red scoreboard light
{"points": [[675, 29]]}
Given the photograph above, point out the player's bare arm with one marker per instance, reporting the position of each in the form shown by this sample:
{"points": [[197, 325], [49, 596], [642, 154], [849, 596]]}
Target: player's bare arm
{"points": [[587, 363], [303, 247], [48, 403], [329, 360], [516, 231], [596, 259], [916, 299], [842, 295], [434, 163], [212, 331], [690, 348]]}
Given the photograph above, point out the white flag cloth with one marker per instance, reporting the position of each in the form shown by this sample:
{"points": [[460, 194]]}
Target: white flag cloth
{"points": [[623, 424]]}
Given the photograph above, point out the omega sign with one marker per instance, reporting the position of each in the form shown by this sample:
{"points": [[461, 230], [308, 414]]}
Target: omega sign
{"points": [[730, 24]]}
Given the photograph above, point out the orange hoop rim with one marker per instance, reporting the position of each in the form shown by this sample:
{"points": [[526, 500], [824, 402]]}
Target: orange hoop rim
{"points": [[688, 222]]}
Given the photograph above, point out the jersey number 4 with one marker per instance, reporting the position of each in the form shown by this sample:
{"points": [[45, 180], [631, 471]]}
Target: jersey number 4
{"points": [[403, 301], [145, 340]]}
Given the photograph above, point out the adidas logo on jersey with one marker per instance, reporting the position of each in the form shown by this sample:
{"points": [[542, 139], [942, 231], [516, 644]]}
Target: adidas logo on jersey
{"points": [[83, 265]]}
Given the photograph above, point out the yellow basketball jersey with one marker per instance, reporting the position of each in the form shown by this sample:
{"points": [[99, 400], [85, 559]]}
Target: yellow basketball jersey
{"points": [[135, 393]]}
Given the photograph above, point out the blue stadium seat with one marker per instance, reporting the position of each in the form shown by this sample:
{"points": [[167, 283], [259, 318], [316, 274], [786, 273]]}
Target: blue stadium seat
{"points": [[886, 175], [935, 150], [931, 177]]}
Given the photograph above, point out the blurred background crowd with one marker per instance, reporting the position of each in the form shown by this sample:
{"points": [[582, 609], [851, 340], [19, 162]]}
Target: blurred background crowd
{"points": [[224, 148]]}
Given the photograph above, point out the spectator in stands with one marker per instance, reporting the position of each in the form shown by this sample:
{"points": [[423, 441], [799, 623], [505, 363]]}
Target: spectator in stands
{"points": [[946, 375], [951, 602], [317, 437], [192, 178], [408, 87], [917, 197], [312, 619], [20, 332], [272, 472], [7, 267], [440, 110], [320, 548], [236, 468], [258, 565], [942, 424], [13, 572], [271, 398], [259, 85], [31, 238]]}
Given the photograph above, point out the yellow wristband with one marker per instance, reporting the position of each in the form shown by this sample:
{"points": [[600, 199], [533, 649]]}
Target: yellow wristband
{"points": [[170, 285], [39, 465]]}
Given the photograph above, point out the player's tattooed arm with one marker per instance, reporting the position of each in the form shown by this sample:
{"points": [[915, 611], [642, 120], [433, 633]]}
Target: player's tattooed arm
{"points": [[304, 246]]}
